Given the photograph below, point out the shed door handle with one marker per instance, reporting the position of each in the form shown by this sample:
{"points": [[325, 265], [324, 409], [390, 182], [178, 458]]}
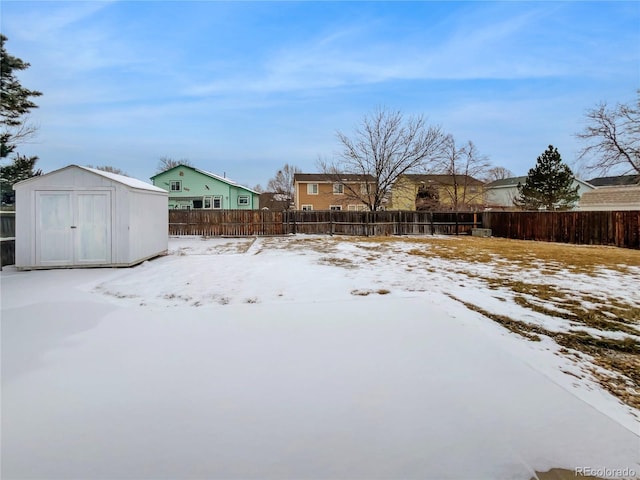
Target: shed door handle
{"points": [[73, 226]]}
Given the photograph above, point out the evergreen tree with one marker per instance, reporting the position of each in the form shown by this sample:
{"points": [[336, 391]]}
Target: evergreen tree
{"points": [[15, 102], [15, 105], [548, 184], [21, 168]]}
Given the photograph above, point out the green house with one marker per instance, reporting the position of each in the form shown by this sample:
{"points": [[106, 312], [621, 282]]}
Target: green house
{"points": [[192, 188]]}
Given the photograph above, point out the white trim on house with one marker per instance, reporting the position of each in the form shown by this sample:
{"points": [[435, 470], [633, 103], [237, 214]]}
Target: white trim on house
{"points": [[222, 179], [356, 208]]}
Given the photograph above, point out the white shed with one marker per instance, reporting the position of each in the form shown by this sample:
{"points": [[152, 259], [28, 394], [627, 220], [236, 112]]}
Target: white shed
{"points": [[83, 217]]}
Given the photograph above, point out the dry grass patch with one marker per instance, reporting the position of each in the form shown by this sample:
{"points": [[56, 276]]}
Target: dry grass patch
{"points": [[553, 257], [523, 329], [618, 358], [337, 262]]}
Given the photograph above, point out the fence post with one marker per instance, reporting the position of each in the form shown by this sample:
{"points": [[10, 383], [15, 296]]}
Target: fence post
{"points": [[331, 222], [366, 224]]}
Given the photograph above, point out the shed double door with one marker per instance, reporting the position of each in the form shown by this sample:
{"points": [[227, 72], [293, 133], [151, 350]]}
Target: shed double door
{"points": [[73, 227]]}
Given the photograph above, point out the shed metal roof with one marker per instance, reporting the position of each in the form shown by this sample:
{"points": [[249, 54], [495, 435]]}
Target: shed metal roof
{"points": [[128, 181]]}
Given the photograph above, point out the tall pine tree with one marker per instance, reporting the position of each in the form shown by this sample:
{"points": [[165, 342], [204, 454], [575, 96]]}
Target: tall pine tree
{"points": [[16, 103], [548, 184]]}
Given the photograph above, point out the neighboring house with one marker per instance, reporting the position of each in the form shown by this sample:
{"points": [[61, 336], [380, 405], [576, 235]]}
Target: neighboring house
{"points": [[615, 181], [501, 194], [460, 192], [318, 191], [625, 197], [192, 188], [276, 202]]}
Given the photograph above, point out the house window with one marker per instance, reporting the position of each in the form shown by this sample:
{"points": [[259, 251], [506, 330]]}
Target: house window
{"points": [[243, 200], [355, 208], [197, 204], [364, 189], [307, 207], [217, 202], [312, 188], [338, 189], [206, 202], [176, 185], [335, 207]]}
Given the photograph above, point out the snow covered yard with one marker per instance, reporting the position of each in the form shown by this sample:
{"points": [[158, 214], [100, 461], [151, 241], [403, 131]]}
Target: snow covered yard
{"points": [[320, 357]]}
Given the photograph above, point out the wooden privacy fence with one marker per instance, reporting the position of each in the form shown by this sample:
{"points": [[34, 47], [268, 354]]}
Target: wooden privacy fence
{"points": [[265, 222], [7, 240], [7, 224], [619, 228], [234, 223], [381, 223]]}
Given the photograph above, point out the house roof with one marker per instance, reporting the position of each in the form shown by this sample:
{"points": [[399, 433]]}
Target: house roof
{"points": [[274, 201], [611, 196], [332, 178], [209, 174], [513, 182], [506, 182], [128, 181], [619, 180], [443, 179]]}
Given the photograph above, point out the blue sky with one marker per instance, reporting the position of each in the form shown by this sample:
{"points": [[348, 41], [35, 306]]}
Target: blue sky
{"points": [[243, 87]]}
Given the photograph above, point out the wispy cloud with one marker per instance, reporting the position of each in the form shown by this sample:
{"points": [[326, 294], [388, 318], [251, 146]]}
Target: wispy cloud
{"points": [[201, 78], [355, 55], [47, 19]]}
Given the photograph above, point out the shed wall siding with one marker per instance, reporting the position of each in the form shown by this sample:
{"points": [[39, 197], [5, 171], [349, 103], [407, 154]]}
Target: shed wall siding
{"points": [[148, 231], [138, 219]]}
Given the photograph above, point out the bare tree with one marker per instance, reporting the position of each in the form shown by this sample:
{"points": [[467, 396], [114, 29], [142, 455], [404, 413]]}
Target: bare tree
{"points": [[384, 147], [464, 165], [612, 137], [283, 181], [167, 163], [427, 198], [497, 173]]}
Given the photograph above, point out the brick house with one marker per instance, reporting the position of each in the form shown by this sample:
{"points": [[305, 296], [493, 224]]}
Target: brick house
{"points": [[319, 191]]}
